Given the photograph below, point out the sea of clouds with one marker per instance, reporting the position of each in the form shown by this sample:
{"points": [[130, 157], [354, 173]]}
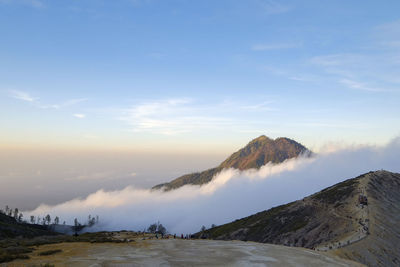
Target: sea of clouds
{"points": [[231, 195]]}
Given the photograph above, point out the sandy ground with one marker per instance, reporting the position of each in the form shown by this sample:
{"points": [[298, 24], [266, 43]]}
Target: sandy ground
{"points": [[177, 252]]}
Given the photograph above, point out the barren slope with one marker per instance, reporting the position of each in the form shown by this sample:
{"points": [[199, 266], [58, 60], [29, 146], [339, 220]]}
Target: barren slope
{"points": [[255, 154], [365, 229]]}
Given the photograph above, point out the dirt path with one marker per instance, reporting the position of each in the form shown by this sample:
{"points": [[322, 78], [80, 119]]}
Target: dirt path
{"points": [[362, 213], [175, 252]]}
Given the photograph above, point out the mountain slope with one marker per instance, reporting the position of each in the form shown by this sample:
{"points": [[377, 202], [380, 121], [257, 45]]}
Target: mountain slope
{"points": [[9, 228], [357, 219], [255, 154]]}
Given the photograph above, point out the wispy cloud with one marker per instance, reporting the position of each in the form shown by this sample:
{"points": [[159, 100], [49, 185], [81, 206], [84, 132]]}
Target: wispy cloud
{"points": [[388, 34], [359, 86], [171, 117], [364, 72], [79, 116], [24, 96], [35, 101], [64, 104], [276, 46], [184, 115], [266, 106]]}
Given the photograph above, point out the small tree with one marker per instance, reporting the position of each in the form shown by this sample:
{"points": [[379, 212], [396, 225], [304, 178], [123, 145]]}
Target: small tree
{"points": [[32, 219], [91, 220], [20, 217], [56, 220], [152, 228], [77, 226], [48, 219], [213, 225], [161, 229], [203, 228]]}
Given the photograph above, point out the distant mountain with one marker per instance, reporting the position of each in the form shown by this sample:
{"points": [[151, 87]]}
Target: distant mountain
{"points": [[255, 154], [358, 219]]}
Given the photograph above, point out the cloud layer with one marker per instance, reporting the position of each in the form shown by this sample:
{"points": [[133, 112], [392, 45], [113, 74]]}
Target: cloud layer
{"points": [[231, 195]]}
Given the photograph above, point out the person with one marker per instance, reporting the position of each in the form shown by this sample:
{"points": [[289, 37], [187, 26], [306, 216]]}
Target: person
{"points": [[174, 236], [181, 236]]}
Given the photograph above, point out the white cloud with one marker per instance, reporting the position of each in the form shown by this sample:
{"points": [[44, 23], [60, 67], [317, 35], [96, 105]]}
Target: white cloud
{"points": [[378, 72], [186, 209], [360, 86], [265, 106], [79, 116], [27, 97], [64, 104], [171, 117], [20, 95]]}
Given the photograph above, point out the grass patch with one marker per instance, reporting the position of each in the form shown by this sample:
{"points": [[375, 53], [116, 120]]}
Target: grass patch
{"points": [[50, 252], [17, 248]]}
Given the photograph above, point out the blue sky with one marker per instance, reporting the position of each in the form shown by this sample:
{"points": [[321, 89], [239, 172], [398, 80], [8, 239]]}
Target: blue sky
{"points": [[197, 75]]}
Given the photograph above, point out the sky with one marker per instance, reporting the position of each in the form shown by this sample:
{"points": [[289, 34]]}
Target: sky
{"points": [[186, 83], [197, 76]]}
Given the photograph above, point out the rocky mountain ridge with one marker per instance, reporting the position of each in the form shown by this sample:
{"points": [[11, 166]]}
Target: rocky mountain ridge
{"points": [[357, 219], [255, 154]]}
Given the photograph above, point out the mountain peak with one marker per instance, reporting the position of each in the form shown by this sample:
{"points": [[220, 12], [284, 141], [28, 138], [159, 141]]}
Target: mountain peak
{"points": [[262, 150], [255, 154]]}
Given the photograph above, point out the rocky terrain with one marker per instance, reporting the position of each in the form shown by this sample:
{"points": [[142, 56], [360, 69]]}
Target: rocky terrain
{"points": [[255, 154], [357, 219], [381, 245]]}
